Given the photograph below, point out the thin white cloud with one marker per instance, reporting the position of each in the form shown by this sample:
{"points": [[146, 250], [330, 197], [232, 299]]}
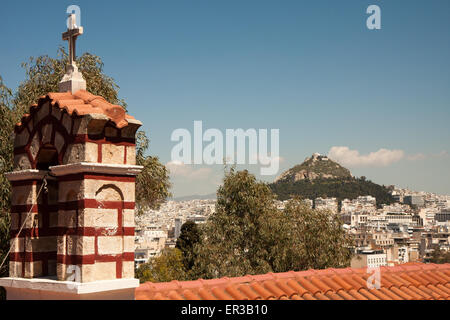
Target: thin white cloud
{"points": [[442, 154], [179, 169], [352, 158], [421, 156], [416, 157]]}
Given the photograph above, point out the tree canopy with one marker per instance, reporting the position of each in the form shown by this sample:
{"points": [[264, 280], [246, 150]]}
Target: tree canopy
{"points": [[6, 164], [440, 256], [309, 239], [237, 238], [152, 184], [340, 188], [43, 74], [248, 235], [166, 267], [189, 237]]}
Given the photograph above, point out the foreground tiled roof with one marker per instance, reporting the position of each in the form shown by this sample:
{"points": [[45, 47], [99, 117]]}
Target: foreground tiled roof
{"points": [[411, 281], [81, 103]]}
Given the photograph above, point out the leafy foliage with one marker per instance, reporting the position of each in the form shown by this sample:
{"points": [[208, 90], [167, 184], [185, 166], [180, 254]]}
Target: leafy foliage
{"points": [[189, 237], [440, 256], [176, 263], [309, 239], [152, 184], [237, 238], [6, 152], [44, 73], [248, 235], [4, 242], [166, 267], [341, 188]]}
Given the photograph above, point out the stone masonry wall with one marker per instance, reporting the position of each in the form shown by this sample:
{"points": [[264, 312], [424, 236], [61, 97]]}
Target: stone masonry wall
{"points": [[82, 223]]}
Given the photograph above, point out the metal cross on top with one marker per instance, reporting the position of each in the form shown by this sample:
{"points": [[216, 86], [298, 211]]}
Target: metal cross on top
{"points": [[71, 35]]}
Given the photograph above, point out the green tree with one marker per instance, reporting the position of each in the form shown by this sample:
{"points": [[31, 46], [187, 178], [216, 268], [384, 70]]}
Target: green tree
{"points": [[152, 184], [237, 238], [189, 237], [166, 267], [248, 235], [440, 256], [6, 153], [309, 239], [42, 76], [6, 129], [341, 188], [44, 73]]}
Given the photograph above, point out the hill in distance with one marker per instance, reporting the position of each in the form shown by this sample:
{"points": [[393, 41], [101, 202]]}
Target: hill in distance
{"points": [[319, 176], [314, 167]]}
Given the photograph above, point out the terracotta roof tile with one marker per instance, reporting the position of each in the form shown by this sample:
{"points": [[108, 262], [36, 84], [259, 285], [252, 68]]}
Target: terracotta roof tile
{"points": [[320, 284], [368, 295], [81, 103], [411, 281], [249, 292], [306, 283], [379, 294], [308, 296], [333, 296], [265, 295], [272, 287], [390, 294], [320, 296], [358, 296], [333, 285], [205, 294], [235, 293], [345, 295], [443, 276], [445, 289], [423, 295], [441, 293], [159, 296], [189, 295], [289, 291], [414, 294], [220, 294], [297, 287], [173, 295]]}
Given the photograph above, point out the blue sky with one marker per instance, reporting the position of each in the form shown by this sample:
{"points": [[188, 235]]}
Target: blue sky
{"points": [[311, 69]]}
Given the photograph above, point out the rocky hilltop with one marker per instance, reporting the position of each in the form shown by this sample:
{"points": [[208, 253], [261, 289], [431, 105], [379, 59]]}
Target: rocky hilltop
{"points": [[315, 167], [319, 176]]}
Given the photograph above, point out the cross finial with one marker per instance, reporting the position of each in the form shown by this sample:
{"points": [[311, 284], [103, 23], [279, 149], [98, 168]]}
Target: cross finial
{"points": [[73, 79], [71, 35]]}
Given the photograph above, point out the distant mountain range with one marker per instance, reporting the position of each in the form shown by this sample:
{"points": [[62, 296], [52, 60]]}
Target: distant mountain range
{"points": [[195, 197], [319, 176]]}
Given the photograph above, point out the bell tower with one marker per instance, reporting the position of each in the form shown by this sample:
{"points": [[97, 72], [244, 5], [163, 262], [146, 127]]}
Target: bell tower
{"points": [[73, 196]]}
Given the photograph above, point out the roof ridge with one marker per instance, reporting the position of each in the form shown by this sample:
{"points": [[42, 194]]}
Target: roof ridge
{"points": [[82, 102], [397, 282]]}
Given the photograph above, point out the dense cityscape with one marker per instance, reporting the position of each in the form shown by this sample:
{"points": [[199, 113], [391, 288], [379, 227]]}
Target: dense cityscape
{"points": [[408, 230], [170, 169]]}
